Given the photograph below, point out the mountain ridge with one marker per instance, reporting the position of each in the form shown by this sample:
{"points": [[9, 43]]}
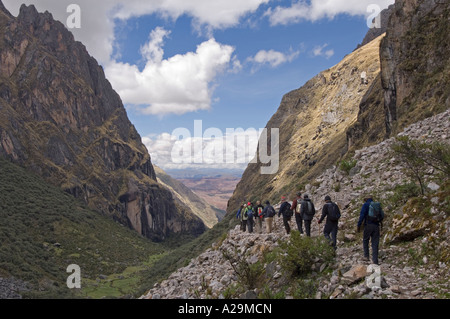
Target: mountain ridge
{"points": [[62, 119]]}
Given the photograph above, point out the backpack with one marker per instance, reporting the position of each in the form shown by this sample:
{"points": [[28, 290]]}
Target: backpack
{"points": [[297, 208], [376, 213], [333, 212], [271, 211], [285, 210], [309, 210]]}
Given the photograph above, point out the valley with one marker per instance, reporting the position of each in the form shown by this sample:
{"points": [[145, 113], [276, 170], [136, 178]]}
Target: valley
{"points": [[78, 185]]}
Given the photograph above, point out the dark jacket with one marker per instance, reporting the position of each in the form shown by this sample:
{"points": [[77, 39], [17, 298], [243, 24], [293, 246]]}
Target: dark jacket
{"points": [[285, 210], [325, 210], [304, 209], [364, 213], [268, 211]]}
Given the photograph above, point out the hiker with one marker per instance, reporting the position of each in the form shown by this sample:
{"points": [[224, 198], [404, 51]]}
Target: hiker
{"points": [[250, 213], [296, 203], [307, 212], [331, 211], [268, 214], [258, 215], [372, 216], [241, 215], [286, 212]]}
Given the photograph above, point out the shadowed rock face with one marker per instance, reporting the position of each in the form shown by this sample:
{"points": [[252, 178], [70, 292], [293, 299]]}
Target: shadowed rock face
{"points": [[61, 118]]}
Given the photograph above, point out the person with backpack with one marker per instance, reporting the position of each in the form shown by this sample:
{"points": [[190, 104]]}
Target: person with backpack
{"points": [[371, 216], [250, 213], [242, 216], [258, 215], [286, 212], [268, 215], [307, 212], [296, 204], [332, 212]]}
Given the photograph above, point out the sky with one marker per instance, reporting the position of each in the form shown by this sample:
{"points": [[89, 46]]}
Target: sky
{"points": [[200, 79]]}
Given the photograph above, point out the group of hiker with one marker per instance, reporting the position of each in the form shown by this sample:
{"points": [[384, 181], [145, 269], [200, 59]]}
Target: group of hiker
{"points": [[302, 207]]}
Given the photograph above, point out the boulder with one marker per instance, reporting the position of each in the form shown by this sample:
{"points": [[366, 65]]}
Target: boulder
{"points": [[355, 274]]}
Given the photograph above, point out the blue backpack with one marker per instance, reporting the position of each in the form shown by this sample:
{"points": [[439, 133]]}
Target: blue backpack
{"points": [[376, 213]]}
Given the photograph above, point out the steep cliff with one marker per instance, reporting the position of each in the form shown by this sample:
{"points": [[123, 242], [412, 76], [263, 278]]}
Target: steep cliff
{"points": [[334, 115], [61, 118], [414, 81]]}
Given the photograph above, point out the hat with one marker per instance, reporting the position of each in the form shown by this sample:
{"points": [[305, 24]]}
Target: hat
{"points": [[267, 202], [327, 198], [305, 196], [299, 194], [248, 204]]}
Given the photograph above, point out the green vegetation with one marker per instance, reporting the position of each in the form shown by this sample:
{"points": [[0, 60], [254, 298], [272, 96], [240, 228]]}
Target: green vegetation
{"points": [[43, 230], [300, 253], [346, 166], [181, 256], [418, 157]]}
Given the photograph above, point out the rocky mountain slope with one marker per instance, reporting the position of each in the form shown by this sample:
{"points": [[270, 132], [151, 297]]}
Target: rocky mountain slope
{"points": [[61, 118], [337, 137], [313, 121], [333, 114], [187, 198], [414, 266]]}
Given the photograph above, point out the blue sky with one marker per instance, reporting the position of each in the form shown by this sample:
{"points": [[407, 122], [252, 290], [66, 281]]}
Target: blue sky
{"points": [[225, 62]]}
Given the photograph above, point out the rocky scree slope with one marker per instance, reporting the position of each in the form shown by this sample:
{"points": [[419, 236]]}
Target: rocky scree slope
{"points": [[414, 266], [61, 118]]}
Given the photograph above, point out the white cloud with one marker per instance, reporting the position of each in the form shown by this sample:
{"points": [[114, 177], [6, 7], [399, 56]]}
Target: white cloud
{"points": [[153, 51], [98, 17], [320, 51], [319, 9], [214, 149], [273, 58], [179, 84]]}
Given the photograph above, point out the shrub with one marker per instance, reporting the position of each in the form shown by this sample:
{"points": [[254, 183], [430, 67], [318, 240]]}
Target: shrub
{"points": [[249, 275], [299, 254], [346, 166]]}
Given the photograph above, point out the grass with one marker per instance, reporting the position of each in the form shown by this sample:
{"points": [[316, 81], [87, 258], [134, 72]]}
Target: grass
{"points": [[43, 230]]}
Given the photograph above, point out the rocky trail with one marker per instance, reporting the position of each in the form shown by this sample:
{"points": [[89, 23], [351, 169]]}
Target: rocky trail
{"points": [[408, 265]]}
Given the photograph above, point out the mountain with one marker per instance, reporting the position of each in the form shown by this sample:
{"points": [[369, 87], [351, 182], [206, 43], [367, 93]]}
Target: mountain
{"points": [[189, 199], [414, 79], [390, 139], [414, 253], [333, 115], [43, 230], [61, 119], [313, 122]]}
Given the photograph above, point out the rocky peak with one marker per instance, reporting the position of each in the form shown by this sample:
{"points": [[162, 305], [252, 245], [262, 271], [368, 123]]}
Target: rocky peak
{"points": [[4, 10], [61, 118]]}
